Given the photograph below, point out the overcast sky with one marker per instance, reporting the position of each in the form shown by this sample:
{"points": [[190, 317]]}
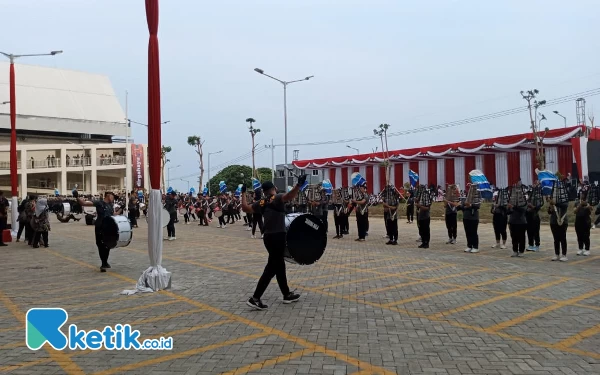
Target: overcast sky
{"points": [[408, 64]]}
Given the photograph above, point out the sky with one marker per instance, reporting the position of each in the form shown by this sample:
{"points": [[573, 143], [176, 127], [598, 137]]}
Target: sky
{"points": [[407, 64]]}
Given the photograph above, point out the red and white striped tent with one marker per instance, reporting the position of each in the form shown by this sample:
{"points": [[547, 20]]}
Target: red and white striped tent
{"points": [[503, 160]]}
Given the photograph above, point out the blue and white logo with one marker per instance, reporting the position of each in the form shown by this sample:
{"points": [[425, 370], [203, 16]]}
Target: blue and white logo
{"points": [[43, 325]]}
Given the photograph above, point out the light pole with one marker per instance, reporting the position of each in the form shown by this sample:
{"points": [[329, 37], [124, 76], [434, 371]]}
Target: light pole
{"points": [[169, 174], [13, 134], [285, 84], [82, 165], [146, 125], [188, 188], [272, 147], [564, 118], [355, 149], [209, 154]]}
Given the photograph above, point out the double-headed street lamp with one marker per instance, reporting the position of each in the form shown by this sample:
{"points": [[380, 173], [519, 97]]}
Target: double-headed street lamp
{"points": [[285, 84], [146, 125], [564, 118], [13, 133], [169, 174], [82, 165], [209, 154], [355, 149]]}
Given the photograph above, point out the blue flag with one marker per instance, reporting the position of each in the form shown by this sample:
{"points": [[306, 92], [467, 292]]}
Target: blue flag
{"points": [[483, 185], [205, 191], [255, 184], [546, 179], [56, 192], [169, 190], [413, 177], [222, 187], [327, 187], [357, 179], [304, 186]]}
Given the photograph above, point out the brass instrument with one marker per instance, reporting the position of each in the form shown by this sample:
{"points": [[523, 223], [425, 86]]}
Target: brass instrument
{"points": [[535, 196], [391, 196], [559, 197], [593, 195], [452, 195], [347, 196], [502, 199], [516, 197], [473, 196]]}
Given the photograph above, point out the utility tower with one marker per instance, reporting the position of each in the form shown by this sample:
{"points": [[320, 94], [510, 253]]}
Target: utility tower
{"points": [[580, 108]]}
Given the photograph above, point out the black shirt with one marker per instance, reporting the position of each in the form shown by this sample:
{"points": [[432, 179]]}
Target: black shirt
{"points": [[273, 210], [103, 210]]}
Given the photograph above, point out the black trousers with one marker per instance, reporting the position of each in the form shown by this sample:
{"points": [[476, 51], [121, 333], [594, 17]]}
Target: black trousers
{"points": [[339, 228], [202, 218], [533, 231], [425, 231], [3, 226], [230, 219], [171, 225], [222, 220], [500, 223], [21, 228], [346, 221], [517, 234], [559, 232], [275, 245], [392, 228], [248, 220], [471, 233], [132, 215], [410, 212], [362, 225], [582, 229], [103, 250], [324, 220], [451, 225], [257, 219], [43, 236], [597, 220], [386, 217]]}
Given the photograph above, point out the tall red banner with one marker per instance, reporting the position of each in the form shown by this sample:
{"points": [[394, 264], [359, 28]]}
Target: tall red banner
{"points": [[137, 164]]}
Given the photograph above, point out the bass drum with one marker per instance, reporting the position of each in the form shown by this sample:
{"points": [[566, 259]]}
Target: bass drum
{"points": [[66, 209], [306, 238], [217, 212], [116, 231]]}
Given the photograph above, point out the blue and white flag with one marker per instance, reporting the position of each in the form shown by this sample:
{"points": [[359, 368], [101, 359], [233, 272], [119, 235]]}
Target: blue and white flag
{"points": [[205, 191], [413, 177], [255, 184], [222, 187], [358, 180], [327, 187], [238, 191], [546, 179], [56, 192], [304, 186], [483, 185], [192, 190], [169, 190]]}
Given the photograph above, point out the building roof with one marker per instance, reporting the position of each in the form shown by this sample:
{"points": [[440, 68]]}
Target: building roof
{"points": [[61, 94], [470, 148]]}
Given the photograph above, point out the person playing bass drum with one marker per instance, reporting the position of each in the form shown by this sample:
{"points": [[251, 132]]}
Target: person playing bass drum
{"points": [[272, 207], [104, 208]]}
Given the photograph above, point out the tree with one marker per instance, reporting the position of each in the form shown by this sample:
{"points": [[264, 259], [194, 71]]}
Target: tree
{"points": [[535, 120], [163, 161], [253, 132], [234, 175], [196, 141], [382, 133]]}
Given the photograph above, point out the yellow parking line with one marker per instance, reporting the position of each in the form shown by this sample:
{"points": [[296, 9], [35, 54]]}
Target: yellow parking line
{"points": [[104, 313], [269, 362], [533, 314], [575, 339], [585, 259], [67, 289], [187, 353], [22, 365], [497, 298]]}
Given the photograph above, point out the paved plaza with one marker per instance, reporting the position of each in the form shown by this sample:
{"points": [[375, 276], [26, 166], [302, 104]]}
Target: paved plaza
{"points": [[366, 308]]}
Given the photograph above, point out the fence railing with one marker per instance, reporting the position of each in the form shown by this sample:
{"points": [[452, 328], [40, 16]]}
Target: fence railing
{"points": [[111, 160], [79, 162], [5, 165]]}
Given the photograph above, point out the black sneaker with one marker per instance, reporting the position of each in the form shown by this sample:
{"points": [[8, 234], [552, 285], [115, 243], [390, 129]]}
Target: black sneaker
{"points": [[106, 265], [390, 242], [291, 297], [256, 304], [102, 269]]}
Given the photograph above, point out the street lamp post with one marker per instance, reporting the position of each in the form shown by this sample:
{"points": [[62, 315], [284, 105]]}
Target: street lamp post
{"points": [[564, 118], [146, 125], [209, 154], [355, 149], [169, 174], [82, 166], [188, 186], [13, 134], [285, 84]]}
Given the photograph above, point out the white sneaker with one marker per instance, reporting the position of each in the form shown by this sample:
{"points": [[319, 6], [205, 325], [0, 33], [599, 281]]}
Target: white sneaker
{"points": [[172, 239], [593, 227], [386, 236], [224, 226], [474, 250], [262, 236], [586, 253], [468, 250], [220, 226], [554, 258], [449, 241], [496, 245], [249, 228], [253, 236], [453, 241], [580, 252], [563, 258], [503, 246], [514, 254]]}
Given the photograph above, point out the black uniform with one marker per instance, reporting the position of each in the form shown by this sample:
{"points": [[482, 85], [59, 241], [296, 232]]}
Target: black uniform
{"points": [[103, 210]]}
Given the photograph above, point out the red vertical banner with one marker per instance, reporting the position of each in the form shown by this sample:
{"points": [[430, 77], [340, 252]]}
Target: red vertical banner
{"points": [[489, 166], [513, 161], [137, 166], [414, 166], [398, 174], [565, 160], [469, 166], [432, 172], [450, 172], [345, 177], [154, 113], [369, 178], [382, 178]]}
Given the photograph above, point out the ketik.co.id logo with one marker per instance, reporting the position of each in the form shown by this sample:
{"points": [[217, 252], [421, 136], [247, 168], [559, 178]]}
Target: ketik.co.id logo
{"points": [[44, 324]]}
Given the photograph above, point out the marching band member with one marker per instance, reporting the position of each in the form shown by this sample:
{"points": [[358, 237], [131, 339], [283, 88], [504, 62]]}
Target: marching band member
{"points": [[325, 210], [257, 217], [362, 214], [104, 208], [202, 208], [499, 222], [471, 222], [272, 207], [222, 204], [410, 207], [40, 223], [171, 206], [451, 214], [533, 224], [518, 226], [132, 209], [391, 222], [338, 219], [583, 223], [423, 222], [559, 223]]}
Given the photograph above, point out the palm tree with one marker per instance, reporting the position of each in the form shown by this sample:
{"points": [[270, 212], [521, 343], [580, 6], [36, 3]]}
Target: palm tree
{"points": [[196, 141], [163, 161], [253, 132], [382, 133], [530, 96]]}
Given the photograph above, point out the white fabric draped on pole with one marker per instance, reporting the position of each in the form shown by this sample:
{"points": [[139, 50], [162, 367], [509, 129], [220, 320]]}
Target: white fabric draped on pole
{"points": [[154, 277], [551, 154], [338, 178], [501, 170], [441, 173], [479, 163], [423, 173], [459, 172], [376, 187], [526, 167]]}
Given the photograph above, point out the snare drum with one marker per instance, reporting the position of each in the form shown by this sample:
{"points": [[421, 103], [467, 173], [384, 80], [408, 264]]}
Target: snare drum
{"points": [[306, 238], [66, 209], [183, 211], [116, 231], [165, 217], [218, 212]]}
